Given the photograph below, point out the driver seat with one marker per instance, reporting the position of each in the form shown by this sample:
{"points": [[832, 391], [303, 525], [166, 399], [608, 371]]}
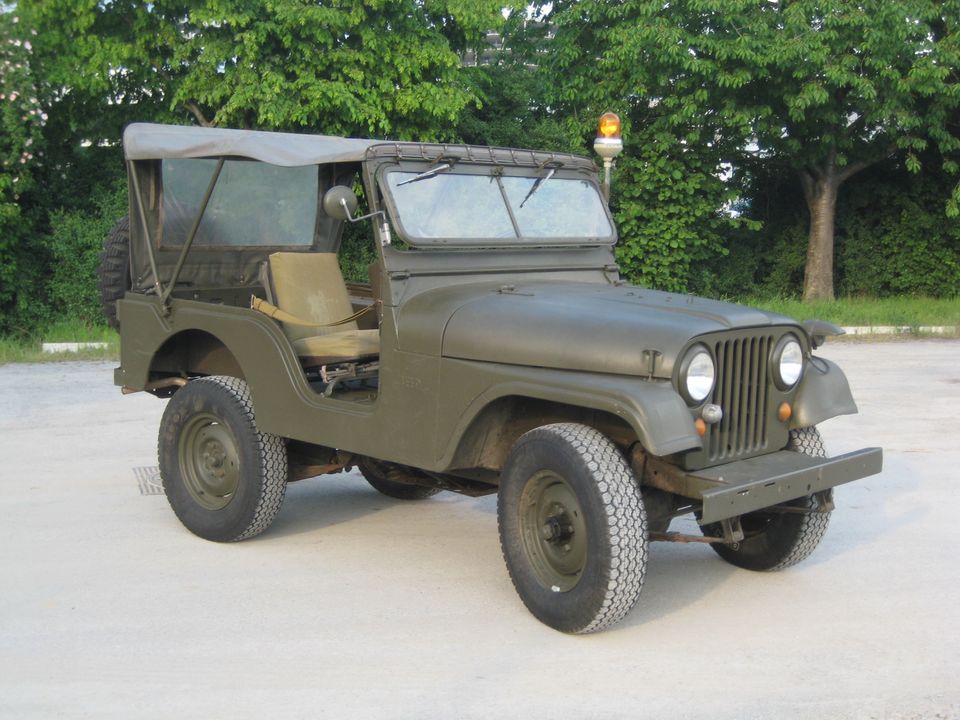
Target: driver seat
{"points": [[314, 309]]}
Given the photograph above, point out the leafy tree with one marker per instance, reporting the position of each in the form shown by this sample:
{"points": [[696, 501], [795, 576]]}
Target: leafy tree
{"points": [[517, 107], [513, 110], [892, 237], [891, 234], [667, 193], [819, 88], [20, 124], [361, 67], [350, 67]]}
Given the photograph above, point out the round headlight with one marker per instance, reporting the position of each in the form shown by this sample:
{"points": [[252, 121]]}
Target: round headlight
{"points": [[697, 374], [787, 362]]}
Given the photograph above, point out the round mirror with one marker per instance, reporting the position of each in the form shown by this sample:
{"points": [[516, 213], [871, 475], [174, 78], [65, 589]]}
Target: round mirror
{"points": [[339, 202]]}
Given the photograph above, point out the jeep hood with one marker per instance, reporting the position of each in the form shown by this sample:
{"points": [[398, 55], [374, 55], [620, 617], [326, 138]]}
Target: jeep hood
{"points": [[589, 327]]}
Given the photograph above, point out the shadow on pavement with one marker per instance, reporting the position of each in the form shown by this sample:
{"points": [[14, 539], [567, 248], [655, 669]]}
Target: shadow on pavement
{"points": [[322, 502]]}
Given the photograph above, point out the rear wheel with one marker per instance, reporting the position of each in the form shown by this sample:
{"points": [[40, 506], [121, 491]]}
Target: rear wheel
{"points": [[224, 479], [777, 540], [572, 527]]}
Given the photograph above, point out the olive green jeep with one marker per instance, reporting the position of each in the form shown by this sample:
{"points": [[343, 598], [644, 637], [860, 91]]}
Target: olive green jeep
{"points": [[494, 349]]}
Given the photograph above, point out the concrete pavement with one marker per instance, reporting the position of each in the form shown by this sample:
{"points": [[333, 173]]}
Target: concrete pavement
{"points": [[357, 606]]}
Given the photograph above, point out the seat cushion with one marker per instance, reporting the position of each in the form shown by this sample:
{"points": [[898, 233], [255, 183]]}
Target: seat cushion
{"points": [[310, 287], [338, 346]]}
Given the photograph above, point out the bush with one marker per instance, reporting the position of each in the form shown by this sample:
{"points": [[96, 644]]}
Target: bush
{"points": [[892, 238], [666, 205], [897, 240], [76, 239]]}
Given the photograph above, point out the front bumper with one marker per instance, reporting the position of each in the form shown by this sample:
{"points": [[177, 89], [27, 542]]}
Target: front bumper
{"points": [[756, 483]]}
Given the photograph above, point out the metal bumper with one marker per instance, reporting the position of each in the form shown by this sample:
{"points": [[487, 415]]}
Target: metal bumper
{"points": [[747, 485]]}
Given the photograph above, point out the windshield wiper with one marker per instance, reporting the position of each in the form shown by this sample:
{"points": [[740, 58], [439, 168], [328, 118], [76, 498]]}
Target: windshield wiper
{"points": [[426, 174], [537, 185]]}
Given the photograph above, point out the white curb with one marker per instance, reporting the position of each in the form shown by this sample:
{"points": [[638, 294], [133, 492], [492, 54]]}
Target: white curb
{"points": [[899, 330], [70, 346]]}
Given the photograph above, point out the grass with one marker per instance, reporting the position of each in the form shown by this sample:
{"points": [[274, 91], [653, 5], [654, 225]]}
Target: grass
{"points": [[28, 349], [905, 311]]}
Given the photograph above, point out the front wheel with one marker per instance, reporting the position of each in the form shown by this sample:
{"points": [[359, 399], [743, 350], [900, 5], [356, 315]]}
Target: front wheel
{"points": [[224, 479], [572, 527], [776, 540]]}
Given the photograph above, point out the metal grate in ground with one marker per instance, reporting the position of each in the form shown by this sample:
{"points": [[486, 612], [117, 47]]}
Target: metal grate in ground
{"points": [[148, 478]]}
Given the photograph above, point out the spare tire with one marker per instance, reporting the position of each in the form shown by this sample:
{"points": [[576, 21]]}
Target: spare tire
{"points": [[113, 272]]}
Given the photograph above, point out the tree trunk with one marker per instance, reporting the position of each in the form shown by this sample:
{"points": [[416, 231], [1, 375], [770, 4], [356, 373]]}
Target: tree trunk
{"points": [[820, 187], [820, 190]]}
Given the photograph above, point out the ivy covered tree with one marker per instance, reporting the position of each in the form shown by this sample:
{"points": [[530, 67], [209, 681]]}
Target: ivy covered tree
{"points": [[819, 88], [668, 196]]}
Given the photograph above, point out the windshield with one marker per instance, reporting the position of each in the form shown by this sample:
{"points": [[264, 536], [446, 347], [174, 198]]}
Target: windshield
{"points": [[457, 208]]}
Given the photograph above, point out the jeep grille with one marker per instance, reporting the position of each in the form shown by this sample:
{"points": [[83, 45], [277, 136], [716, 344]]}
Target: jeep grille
{"points": [[742, 392]]}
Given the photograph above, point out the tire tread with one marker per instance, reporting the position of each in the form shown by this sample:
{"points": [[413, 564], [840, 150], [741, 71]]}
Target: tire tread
{"points": [[814, 524], [271, 451], [625, 519], [113, 270]]}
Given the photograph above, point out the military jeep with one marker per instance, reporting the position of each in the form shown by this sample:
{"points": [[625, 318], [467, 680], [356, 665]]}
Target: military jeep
{"points": [[495, 349]]}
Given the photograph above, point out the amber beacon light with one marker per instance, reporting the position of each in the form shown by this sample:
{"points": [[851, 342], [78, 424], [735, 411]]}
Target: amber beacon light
{"points": [[608, 144]]}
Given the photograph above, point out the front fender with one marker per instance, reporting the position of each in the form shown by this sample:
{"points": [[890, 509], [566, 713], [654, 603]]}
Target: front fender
{"points": [[823, 393], [653, 409]]}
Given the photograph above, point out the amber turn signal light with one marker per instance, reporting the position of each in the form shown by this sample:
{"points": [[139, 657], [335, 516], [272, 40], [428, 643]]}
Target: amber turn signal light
{"points": [[784, 412], [701, 427]]}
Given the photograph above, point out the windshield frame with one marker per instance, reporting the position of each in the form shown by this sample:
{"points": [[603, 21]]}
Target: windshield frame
{"points": [[464, 167]]}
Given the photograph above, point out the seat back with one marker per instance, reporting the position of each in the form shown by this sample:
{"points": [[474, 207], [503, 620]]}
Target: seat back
{"points": [[311, 287]]}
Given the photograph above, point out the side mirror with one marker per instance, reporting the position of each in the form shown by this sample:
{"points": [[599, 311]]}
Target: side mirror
{"points": [[340, 202]]}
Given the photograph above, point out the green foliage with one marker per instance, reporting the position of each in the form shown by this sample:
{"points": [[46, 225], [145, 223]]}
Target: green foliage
{"points": [[767, 92], [800, 78], [513, 109], [20, 120], [517, 91], [813, 87], [667, 206], [76, 240], [892, 238], [361, 67], [357, 252]]}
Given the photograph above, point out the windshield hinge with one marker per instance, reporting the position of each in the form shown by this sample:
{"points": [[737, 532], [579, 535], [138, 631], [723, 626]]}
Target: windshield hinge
{"points": [[651, 356], [612, 273]]}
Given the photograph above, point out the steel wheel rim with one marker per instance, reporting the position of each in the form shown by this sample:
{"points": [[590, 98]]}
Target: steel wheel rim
{"points": [[209, 461], [554, 531]]}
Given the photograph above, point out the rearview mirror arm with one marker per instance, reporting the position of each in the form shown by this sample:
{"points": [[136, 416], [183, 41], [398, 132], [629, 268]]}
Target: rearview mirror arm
{"points": [[384, 225]]}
